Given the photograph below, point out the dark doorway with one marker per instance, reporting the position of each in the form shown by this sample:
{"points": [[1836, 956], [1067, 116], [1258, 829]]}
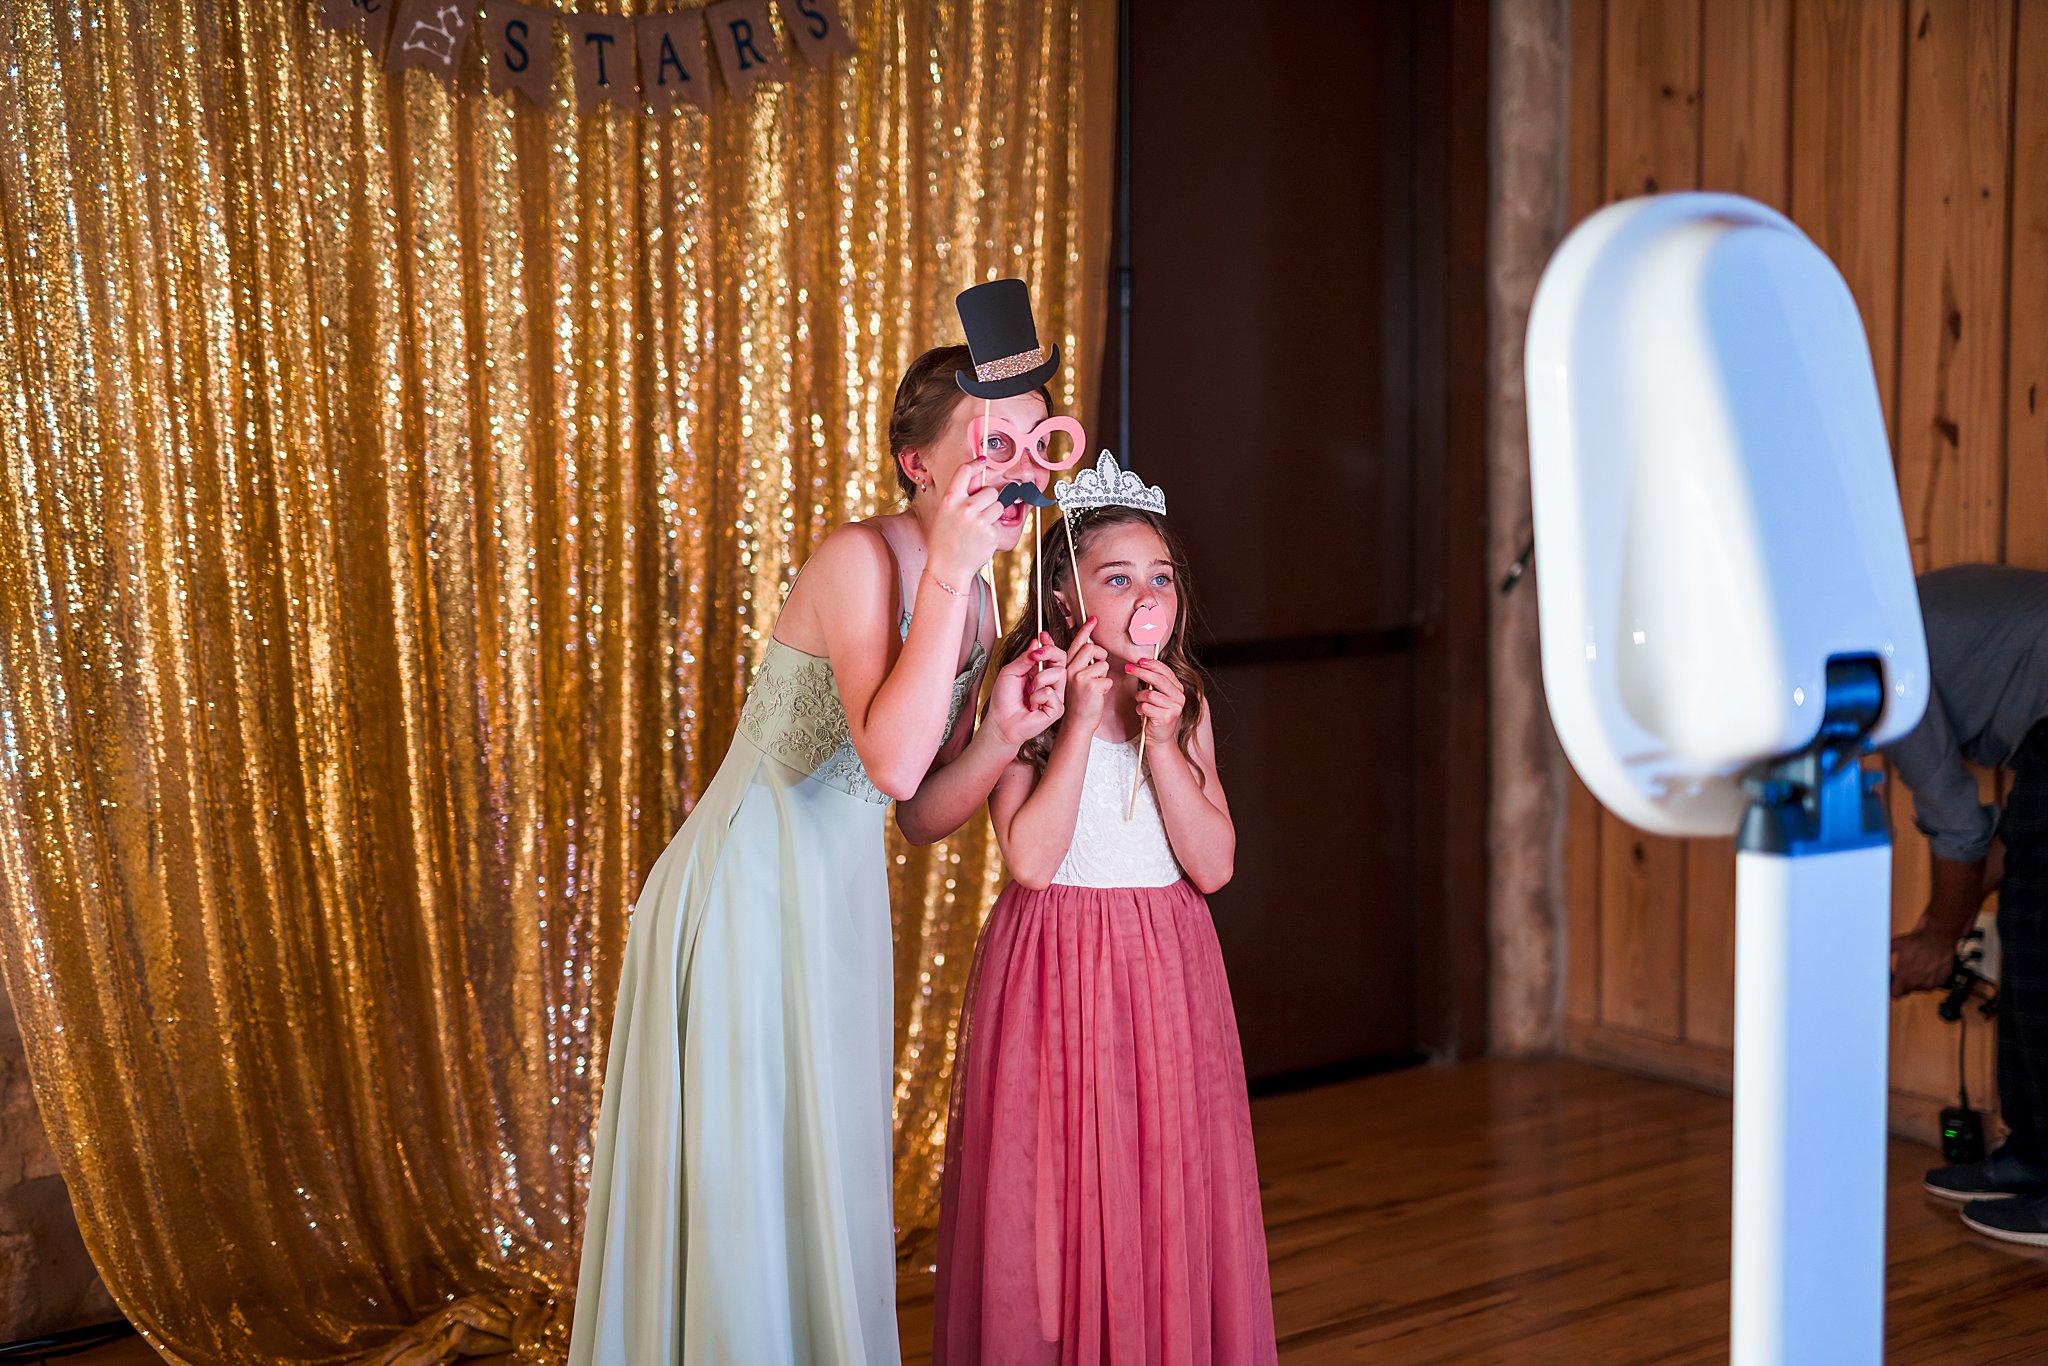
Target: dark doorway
{"points": [[1307, 240]]}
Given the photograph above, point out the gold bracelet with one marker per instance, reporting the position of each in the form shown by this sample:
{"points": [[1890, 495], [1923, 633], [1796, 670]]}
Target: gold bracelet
{"points": [[942, 583]]}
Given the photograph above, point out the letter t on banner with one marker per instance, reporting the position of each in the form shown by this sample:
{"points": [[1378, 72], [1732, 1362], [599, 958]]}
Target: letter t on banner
{"points": [[817, 28], [430, 34], [601, 52], [519, 41], [672, 65], [747, 50]]}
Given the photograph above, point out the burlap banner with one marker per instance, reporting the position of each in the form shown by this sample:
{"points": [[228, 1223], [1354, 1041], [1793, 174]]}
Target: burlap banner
{"points": [[672, 65], [659, 61]]}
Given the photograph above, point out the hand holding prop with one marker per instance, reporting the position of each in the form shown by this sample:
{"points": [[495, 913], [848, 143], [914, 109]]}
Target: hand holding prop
{"points": [[1148, 624]]}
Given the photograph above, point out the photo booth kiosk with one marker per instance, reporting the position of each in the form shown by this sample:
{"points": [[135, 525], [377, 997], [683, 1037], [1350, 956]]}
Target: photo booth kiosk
{"points": [[1729, 623]]}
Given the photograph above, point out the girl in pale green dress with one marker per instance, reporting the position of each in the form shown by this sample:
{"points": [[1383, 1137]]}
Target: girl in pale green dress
{"points": [[740, 1192]]}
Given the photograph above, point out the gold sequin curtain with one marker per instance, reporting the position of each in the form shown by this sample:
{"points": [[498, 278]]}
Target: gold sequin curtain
{"points": [[398, 485]]}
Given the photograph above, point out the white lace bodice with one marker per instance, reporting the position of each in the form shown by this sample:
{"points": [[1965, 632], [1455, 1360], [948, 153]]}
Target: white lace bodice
{"points": [[1111, 849]]}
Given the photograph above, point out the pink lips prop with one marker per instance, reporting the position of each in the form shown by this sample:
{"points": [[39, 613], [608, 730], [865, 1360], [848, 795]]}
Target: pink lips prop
{"points": [[1148, 623]]}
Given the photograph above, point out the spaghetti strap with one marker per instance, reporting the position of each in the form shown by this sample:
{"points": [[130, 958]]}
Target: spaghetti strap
{"points": [[906, 596], [903, 593]]}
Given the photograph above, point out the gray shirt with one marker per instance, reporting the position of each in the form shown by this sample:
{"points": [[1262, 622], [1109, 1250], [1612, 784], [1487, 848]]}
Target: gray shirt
{"points": [[1987, 651]]}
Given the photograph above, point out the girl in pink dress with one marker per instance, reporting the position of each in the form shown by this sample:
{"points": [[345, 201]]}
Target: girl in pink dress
{"points": [[1101, 1199]]}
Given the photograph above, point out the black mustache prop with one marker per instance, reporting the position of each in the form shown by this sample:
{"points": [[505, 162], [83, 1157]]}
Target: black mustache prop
{"points": [[1024, 492]]}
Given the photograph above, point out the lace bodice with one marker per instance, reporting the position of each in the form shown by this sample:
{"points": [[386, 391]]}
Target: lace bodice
{"points": [[1111, 849], [793, 714]]}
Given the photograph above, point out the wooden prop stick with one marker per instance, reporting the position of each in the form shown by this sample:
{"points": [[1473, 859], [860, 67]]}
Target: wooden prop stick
{"points": [[981, 444], [1145, 629], [1074, 566], [1138, 778]]}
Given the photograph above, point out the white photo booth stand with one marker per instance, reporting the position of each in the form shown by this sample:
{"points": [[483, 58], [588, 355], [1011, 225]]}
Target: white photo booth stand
{"points": [[1729, 623]]}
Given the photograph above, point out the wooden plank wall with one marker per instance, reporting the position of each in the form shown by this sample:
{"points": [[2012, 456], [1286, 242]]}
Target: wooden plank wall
{"points": [[1890, 130]]}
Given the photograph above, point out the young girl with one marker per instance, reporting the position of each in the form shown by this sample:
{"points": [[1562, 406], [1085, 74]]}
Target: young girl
{"points": [[1100, 1200], [740, 1191]]}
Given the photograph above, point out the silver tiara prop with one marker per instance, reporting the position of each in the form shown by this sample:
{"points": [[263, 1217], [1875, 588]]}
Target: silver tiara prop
{"points": [[1107, 485]]}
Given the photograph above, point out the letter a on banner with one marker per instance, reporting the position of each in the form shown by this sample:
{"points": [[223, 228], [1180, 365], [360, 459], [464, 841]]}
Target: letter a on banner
{"points": [[672, 60]]}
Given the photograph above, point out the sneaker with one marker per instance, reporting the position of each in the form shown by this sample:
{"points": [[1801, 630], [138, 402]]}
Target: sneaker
{"points": [[2023, 1220], [2000, 1176]]}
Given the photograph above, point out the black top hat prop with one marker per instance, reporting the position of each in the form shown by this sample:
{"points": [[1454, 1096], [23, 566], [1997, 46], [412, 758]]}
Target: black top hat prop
{"points": [[1003, 342]]}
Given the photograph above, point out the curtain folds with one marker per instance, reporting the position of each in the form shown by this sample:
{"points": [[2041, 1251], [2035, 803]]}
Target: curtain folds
{"points": [[398, 484]]}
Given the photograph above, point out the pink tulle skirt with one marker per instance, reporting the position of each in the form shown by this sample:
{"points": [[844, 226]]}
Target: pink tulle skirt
{"points": [[1101, 1198]]}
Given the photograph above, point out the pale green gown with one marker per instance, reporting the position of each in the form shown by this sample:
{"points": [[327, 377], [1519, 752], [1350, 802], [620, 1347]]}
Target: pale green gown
{"points": [[740, 1189]]}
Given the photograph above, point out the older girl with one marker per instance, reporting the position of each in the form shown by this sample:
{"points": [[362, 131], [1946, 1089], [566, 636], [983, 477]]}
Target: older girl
{"points": [[740, 1190]]}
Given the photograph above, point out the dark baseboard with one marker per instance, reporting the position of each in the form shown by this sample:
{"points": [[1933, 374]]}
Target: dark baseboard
{"points": [[1329, 1074]]}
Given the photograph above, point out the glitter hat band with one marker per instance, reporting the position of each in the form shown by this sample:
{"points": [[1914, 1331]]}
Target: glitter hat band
{"points": [[1009, 367]]}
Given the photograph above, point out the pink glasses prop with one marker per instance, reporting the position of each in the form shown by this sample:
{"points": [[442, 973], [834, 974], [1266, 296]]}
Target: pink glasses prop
{"points": [[1025, 443]]}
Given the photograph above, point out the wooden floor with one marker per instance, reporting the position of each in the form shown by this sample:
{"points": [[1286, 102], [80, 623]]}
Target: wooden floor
{"points": [[1547, 1212], [1553, 1212]]}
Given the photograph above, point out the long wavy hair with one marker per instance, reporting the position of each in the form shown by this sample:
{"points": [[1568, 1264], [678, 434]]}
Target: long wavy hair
{"points": [[1056, 573]]}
